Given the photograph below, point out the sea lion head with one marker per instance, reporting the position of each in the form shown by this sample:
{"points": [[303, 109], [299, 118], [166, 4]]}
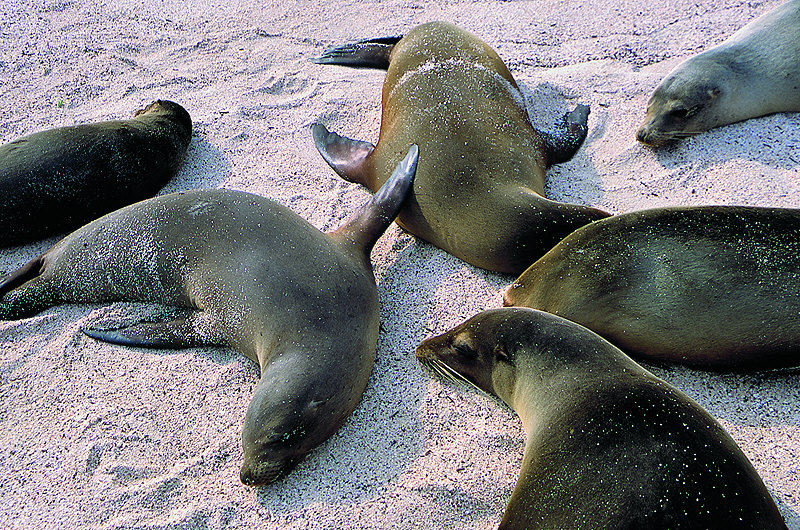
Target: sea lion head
{"points": [[173, 112], [500, 351], [279, 431], [690, 100], [479, 351]]}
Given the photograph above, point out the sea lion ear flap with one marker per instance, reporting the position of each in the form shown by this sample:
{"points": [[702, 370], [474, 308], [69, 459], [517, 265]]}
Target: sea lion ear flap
{"points": [[714, 92], [346, 156], [500, 354]]}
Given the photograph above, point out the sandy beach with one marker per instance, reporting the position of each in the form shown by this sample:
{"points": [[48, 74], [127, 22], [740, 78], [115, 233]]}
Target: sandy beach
{"points": [[106, 437]]}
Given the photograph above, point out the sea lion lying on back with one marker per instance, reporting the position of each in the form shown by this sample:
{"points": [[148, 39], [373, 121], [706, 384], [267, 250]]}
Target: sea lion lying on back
{"points": [[709, 286], [609, 445], [253, 275], [753, 73], [56, 180], [479, 190]]}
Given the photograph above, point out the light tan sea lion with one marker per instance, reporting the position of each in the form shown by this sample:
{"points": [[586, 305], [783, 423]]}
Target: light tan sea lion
{"points": [[709, 286], [609, 445], [753, 73], [252, 275], [54, 181], [479, 190]]}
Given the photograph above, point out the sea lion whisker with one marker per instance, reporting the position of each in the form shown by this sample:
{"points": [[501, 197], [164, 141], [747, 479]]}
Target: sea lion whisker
{"points": [[457, 376]]}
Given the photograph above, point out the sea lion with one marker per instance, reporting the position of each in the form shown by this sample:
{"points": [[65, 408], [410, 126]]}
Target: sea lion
{"points": [[709, 286], [479, 188], [56, 180], [609, 445], [753, 73], [252, 275]]}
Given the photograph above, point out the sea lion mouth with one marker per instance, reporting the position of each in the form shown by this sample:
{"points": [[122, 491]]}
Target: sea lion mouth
{"points": [[656, 138]]}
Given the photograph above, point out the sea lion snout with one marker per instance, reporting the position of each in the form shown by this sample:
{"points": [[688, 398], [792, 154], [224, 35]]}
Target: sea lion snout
{"points": [[508, 294], [263, 472]]}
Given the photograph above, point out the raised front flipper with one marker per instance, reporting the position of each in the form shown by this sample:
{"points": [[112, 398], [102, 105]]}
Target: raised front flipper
{"points": [[570, 133], [346, 156], [187, 332], [369, 53]]}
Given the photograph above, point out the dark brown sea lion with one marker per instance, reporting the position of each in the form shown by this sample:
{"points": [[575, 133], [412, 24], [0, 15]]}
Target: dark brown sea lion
{"points": [[609, 445], [710, 286], [479, 190], [753, 73], [252, 275], [55, 181]]}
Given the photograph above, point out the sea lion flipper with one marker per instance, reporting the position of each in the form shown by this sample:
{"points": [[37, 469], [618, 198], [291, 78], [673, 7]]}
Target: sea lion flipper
{"points": [[178, 333], [369, 53], [366, 225], [29, 271], [25, 291], [346, 156], [571, 133]]}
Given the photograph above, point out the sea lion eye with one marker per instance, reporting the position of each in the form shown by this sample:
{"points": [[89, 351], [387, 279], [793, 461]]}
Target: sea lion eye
{"points": [[679, 114], [464, 350]]}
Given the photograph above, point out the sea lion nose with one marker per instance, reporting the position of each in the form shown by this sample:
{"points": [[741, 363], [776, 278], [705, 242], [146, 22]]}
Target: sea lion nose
{"points": [[507, 301], [641, 135]]}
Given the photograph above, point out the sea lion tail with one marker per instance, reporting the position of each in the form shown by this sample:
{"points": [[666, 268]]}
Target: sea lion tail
{"points": [[365, 227], [367, 53]]}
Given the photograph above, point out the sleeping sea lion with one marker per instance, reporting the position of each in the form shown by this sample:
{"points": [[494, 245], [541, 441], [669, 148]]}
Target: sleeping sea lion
{"points": [[753, 73], [251, 275], [479, 190], [709, 286], [56, 180], [609, 445]]}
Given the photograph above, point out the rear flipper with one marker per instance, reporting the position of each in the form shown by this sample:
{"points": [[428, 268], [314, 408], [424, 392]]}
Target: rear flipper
{"points": [[562, 144], [369, 53], [366, 225], [191, 331], [346, 156]]}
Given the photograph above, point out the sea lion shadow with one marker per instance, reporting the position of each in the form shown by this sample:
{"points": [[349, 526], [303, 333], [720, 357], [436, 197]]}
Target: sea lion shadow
{"points": [[576, 181], [768, 140], [205, 166]]}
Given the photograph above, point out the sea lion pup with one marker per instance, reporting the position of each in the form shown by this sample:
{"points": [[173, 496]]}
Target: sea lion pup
{"points": [[56, 180], [252, 275], [609, 445], [753, 73], [479, 188], [712, 286]]}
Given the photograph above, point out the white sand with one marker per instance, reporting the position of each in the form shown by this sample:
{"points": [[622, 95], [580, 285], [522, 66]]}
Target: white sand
{"points": [[100, 436]]}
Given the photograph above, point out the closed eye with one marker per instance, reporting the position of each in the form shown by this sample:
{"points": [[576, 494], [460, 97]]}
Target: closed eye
{"points": [[464, 350], [679, 114]]}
